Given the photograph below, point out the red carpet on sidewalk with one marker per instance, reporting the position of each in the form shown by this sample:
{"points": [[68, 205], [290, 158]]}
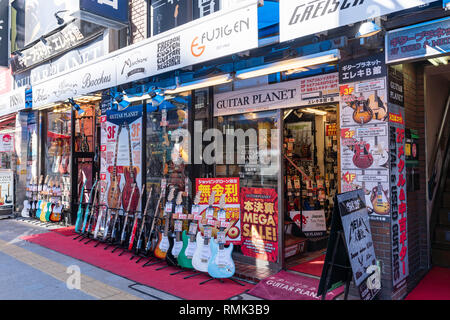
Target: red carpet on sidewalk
{"points": [[313, 267], [121, 265], [67, 231], [434, 286]]}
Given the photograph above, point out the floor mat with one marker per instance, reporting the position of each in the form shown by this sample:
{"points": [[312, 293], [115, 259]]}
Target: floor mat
{"points": [[121, 265], [434, 286], [289, 286], [313, 267], [68, 231]]}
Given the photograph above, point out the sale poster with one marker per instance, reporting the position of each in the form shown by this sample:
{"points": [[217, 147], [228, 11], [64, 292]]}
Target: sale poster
{"points": [[6, 189], [121, 148], [231, 222], [259, 215]]}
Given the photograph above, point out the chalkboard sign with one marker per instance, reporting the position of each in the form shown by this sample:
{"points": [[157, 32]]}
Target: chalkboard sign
{"points": [[350, 247]]}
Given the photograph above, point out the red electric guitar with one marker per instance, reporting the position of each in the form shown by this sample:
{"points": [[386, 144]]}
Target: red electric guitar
{"points": [[362, 158], [130, 180]]}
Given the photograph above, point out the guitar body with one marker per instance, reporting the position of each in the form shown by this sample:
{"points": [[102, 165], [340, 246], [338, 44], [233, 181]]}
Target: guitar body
{"points": [[114, 190], [202, 254], [170, 258], [377, 106], [362, 158], [164, 242], [221, 264], [49, 211], [64, 164], [379, 201], [187, 252], [362, 114], [38, 209], [26, 209], [55, 216], [128, 189], [43, 211]]}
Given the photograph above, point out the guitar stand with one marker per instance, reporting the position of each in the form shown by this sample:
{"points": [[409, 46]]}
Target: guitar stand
{"points": [[193, 275], [222, 281], [163, 267], [151, 264]]}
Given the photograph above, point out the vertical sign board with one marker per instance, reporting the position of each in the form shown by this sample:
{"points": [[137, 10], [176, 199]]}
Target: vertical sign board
{"points": [[364, 132], [124, 134], [4, 32], [6, 189], [116, 10], [232, 223], [399, 233], [259, 207]]}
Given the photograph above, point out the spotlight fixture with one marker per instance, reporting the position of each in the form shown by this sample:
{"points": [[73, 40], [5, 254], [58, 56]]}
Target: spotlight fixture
{"points": [[120, 100], [368, 29], [76, 106], [43, 40], [58, 18]]}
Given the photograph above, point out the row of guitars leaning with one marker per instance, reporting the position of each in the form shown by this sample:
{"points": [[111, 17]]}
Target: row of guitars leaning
{"points": [[142, 235]]}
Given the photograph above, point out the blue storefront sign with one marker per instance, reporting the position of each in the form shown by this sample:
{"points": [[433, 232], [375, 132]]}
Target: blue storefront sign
{"points": [[116, 10], [419, 41]]}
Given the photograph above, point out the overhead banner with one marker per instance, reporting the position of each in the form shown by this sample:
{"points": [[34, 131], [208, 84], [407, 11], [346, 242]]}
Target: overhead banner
{"points": [[216, 35], [300, 18], [419, 41], [4, 33], [303, 92]]}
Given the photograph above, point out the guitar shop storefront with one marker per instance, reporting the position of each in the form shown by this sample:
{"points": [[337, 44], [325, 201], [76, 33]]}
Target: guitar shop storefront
{"points": [[285, 152], [68, 134]]}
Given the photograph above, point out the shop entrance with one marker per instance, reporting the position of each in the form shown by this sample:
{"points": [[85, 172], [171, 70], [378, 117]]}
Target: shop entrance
{"points": [[310, 155]]}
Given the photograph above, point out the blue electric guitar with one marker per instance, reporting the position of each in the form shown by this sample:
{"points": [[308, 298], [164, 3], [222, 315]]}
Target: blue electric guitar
{"points": [[40, 202], [80, 210], [221, 264], [88, 207]]}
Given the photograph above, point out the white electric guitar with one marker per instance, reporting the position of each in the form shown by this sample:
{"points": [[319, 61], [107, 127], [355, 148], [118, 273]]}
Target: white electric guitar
{"points": [[192, 245], [178, 243], [202, 252], [165, 244]]}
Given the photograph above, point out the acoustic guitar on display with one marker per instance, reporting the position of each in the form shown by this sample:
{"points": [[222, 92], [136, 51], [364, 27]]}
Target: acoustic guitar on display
{"points": [[130, 181], [114, 187], [189, 245], [177, 243], [163, 236], [379, 200], [377, 106], [202, 252], [221, 264]]}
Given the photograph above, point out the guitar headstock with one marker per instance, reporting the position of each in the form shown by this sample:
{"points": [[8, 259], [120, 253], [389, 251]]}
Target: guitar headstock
{"points": [[171, 194], [46, 179], [197, 197], [222, 201], [212, 197], [179, 198]]}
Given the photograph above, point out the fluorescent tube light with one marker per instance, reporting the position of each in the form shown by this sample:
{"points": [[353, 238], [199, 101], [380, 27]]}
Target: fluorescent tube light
{"points": [[318, 112], [291, 64], [203, 83]]}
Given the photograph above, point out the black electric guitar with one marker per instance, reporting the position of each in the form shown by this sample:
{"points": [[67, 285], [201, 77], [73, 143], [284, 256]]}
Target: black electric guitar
{"points": [[136, 218], [124, 234], [151, 240]]}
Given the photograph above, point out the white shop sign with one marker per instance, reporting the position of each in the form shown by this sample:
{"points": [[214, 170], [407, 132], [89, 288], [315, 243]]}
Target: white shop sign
{"points": [[295, 93], [300, 18], [12, 101]]}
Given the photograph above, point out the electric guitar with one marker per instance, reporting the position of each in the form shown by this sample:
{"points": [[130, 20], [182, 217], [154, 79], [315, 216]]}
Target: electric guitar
{"points": [[91, 218], [41, 196], [101, 214], [178, 228], [64, 164], [116, 222], [8, 197], [56, 214], [52, 203], [130, 188], [46, 205], [87, 213], [28, 200], [114, 187], [221, 264], [80, 209], [136, 219], [202, 252], [124, 234], [362, 158], [84, 144], [189, 245], [377, 106], [150, 245], [379, 200], [163, 237]]}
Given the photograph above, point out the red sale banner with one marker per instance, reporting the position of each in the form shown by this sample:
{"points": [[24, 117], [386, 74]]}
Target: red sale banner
{"points": [[259, 223]]}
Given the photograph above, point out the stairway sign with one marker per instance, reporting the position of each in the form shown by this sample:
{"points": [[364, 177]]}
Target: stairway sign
{"points": [[350, 246]]}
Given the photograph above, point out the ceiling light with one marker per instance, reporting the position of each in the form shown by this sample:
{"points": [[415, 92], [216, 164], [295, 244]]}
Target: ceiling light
{"points": [[76, 106], [291, 64], [198, 84], [315, 111], [368, 29]]}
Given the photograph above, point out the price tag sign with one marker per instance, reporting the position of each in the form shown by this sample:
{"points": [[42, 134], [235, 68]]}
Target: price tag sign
{"points": [[168, 207], [211, 222], [209, 213], [207, 231], [179, 209], [193, 228], [178, 225], [163, 185], [221, 215], [221, 237], [182, 216], [224, 224]]}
